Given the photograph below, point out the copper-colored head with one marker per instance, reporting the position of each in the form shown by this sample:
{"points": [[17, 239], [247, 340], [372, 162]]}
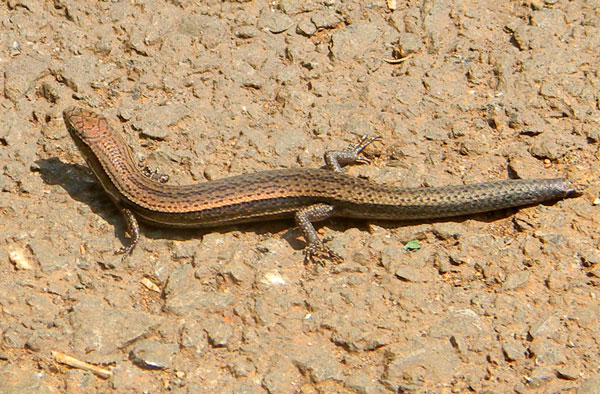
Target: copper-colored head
{"points": [[85, 124]]}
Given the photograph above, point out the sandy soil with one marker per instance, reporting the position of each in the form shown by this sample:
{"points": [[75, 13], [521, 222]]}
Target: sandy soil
{"points": [[502, 302]]}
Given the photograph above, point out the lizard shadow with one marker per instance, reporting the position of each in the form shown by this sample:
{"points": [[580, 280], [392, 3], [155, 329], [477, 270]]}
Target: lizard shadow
{"points": [[82, 186]]}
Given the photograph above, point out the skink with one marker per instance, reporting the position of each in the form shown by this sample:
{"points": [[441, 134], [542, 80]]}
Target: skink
{"points": [[307, 195]]}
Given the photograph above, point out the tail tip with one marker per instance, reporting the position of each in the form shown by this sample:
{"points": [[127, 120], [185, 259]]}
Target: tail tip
{"points": [[573, 189]]}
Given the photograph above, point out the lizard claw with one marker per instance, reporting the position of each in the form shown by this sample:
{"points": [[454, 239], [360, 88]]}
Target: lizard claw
{"points": [[155, 174], [320, 254], [365, 141]]}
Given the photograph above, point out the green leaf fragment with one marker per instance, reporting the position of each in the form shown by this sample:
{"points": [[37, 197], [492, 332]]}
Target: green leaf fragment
{"points": [[412, 245]]}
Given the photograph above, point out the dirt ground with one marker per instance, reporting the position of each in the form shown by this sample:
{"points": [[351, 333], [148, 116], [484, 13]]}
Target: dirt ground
{"points": [[460, 91]]}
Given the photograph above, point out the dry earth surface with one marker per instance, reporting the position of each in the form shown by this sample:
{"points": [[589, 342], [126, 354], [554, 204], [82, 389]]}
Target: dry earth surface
{"points": [[460, 91]]}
